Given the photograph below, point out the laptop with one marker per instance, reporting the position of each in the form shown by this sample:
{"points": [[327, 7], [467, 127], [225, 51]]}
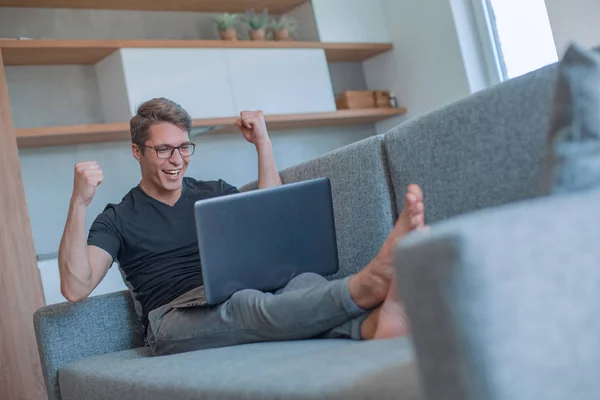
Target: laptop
{"points": [[262, 239]]}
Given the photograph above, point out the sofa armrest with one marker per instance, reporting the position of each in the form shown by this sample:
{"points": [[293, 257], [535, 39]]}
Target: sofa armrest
{"points": [[67, 332], [504, 303]]}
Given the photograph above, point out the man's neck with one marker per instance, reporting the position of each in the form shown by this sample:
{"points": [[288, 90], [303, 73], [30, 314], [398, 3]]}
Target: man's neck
{"points": [[164, 196]]}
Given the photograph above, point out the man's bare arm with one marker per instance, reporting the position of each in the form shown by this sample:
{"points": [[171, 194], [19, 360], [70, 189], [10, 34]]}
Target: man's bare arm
{"points": [[268, 174], [81, 266], [253, 127]]}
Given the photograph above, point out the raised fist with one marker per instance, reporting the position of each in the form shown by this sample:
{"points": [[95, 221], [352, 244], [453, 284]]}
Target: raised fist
{"points": [[253, 127], [88, 176]]}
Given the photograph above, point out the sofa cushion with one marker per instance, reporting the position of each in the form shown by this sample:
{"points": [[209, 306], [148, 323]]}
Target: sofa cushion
{"points": [[361, 198], [311, 369], [482, 151]]}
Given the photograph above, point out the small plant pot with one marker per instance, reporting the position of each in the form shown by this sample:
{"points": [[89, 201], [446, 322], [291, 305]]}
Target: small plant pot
{"points": [[258, 34], [282, 34], [228, 34]]}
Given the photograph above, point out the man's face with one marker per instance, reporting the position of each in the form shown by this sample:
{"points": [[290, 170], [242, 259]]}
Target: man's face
{"points": [[164, 173]]}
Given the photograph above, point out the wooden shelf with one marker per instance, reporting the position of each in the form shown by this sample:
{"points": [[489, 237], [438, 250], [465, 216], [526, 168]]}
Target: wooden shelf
{"points": [[57, 52], [275, 7], [97, 133]]}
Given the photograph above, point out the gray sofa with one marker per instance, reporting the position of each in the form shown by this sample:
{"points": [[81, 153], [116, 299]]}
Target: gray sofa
{"points": [[482, 287]]}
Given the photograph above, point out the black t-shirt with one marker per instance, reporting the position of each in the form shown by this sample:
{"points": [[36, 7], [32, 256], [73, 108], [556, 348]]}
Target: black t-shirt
{"points": [[155, 244]]}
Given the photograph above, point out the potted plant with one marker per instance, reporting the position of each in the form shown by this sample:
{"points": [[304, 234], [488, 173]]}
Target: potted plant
{"points": [[226, 24], [257, 23], [284, 28]]}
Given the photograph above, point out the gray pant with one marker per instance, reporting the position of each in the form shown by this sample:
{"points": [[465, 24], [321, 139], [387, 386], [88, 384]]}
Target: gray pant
{"points": [[309, 306]]}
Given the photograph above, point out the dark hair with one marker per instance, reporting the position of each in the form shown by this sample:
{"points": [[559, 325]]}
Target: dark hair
{"points": [[155, 111]]}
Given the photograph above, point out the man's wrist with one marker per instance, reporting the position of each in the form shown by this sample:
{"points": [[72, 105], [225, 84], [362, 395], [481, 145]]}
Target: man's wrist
{"points": [[263, 144], [77, 202]]}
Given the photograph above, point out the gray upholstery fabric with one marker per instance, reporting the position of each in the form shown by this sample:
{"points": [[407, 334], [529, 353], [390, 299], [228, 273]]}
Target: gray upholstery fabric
{"points": [[70, 331], [503, 303], [361, 198], [311, 369], [574, 137], [479, 152]]}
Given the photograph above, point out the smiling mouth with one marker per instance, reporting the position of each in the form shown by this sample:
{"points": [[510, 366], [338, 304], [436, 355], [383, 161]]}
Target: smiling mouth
{"points": [[172, 172]]}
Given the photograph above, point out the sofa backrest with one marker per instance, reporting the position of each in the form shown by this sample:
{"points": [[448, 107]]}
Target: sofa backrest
{"points": [[362, 202], [482, 151]]}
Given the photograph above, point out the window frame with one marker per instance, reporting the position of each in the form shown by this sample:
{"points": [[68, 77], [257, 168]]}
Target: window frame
{"points": [[491, 48]]}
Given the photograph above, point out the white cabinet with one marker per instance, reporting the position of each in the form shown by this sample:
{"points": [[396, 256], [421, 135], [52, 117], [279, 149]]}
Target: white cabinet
{"points": [[358, 21], [197, 79], [216, 82], [281, 81]]}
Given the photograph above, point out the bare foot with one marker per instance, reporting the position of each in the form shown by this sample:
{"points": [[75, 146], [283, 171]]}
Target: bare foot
{"points": [[370, 286], [369, 325], [386, 321], [392, 320]]}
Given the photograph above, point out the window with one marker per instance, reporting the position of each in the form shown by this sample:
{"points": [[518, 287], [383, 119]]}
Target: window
{"points": [[517, 35]]}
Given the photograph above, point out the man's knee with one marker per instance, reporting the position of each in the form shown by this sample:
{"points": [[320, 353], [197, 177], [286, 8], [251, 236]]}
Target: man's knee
{"points": [[245, 300], [306, 280], [311, 276]]}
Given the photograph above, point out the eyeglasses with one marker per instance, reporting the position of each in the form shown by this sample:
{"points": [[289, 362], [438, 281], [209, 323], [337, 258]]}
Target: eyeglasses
{"points": [[165, 152]]}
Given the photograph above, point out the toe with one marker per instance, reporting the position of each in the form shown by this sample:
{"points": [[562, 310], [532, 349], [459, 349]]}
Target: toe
{"points": [[416, 207], [419, 207], [417, 221], [416, 191]]}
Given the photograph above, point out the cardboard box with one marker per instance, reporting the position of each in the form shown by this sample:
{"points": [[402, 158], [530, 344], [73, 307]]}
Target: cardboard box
{"points": [[357, 99]]}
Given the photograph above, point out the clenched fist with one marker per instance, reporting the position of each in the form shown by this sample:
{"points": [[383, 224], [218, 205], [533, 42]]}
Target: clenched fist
{"points": [[88, 176], [253, 127]]}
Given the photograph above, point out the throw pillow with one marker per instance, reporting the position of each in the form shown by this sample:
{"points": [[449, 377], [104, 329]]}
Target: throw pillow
{"points": [[573, 148]]}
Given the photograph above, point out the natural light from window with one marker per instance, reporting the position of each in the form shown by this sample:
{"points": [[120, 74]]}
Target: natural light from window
{"points": [[525, 35]]}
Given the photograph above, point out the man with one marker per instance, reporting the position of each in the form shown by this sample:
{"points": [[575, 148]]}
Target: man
{"points": [[151, 233]]}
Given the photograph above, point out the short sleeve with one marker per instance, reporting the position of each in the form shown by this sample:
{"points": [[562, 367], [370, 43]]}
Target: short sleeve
{"points": [[226, 188], [104, 233]]}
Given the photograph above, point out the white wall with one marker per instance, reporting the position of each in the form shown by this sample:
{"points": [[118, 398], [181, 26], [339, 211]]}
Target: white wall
{"points": [[350, 21], [577, 20], [307, 26], [53, 95], [50, 278], [425, 70]]}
